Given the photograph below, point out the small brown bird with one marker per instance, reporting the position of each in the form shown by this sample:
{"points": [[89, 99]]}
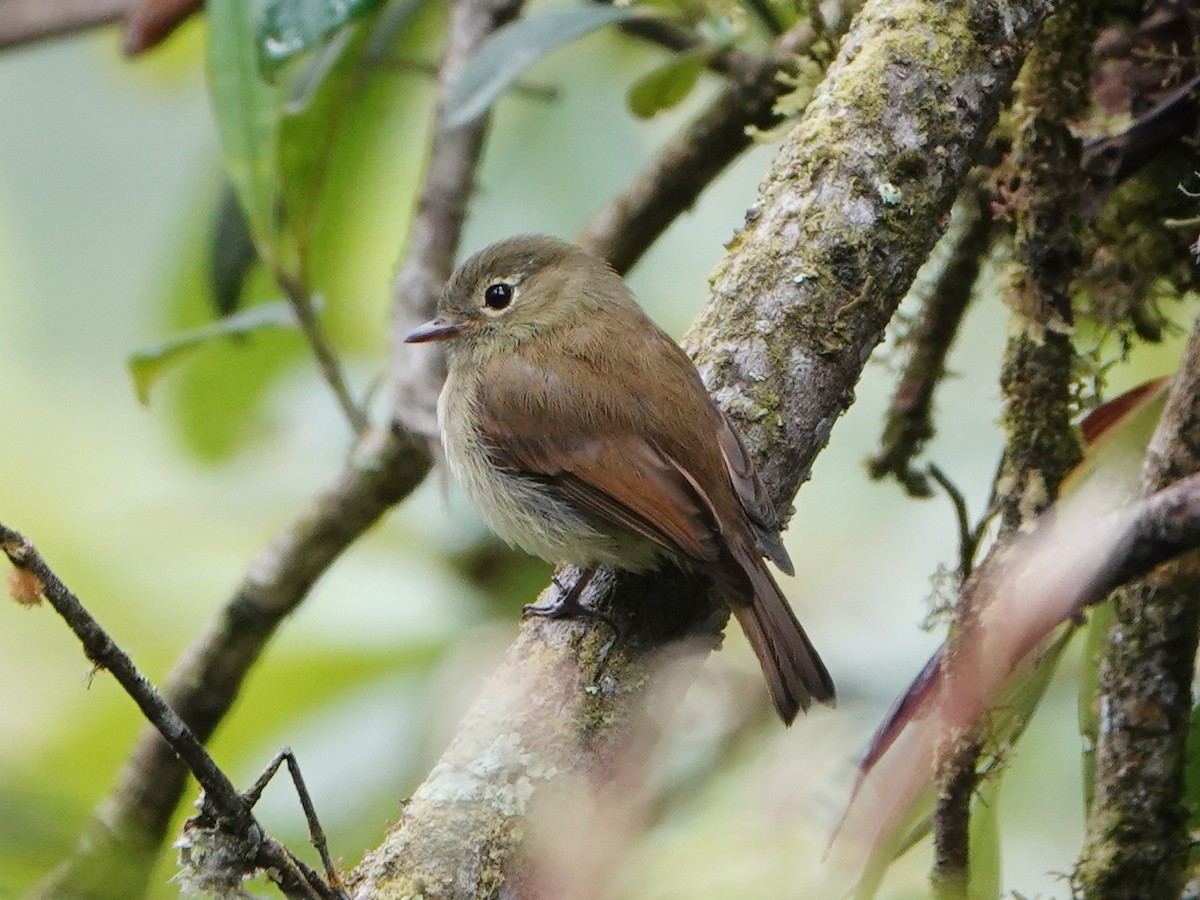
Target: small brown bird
{"points": [[584, 434]]}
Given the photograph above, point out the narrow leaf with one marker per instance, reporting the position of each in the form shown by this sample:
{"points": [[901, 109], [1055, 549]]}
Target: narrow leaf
{"points": [[292, 27], [148, 364], [668, 85], [517, 46], [246, 109]]}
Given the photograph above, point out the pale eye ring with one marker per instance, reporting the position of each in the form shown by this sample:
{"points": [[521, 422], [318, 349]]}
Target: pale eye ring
{"points": [[498, 295]]}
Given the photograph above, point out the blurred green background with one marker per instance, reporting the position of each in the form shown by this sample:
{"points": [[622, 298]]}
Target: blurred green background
{"points": [[109, 180]]}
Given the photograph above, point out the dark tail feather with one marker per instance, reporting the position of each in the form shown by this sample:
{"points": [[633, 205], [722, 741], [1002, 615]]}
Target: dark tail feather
{"points": [[795, 674]]}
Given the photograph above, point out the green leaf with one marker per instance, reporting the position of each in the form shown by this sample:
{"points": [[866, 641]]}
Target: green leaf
{"points": [[246, 109], [291, 27], [308, 127], [668, 85], [516, 47], [148, 364]]}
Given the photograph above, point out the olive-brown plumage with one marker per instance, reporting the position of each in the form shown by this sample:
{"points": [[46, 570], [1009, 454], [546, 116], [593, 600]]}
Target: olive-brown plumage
{"points": [[583, 434]]}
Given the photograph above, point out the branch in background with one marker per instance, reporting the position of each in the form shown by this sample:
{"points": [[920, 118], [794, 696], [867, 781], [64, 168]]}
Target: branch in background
{"points": [[1042, 445], [28, 21], [226, 814], [434, 235], [1137, 837], [849, 210], [331, 368], [116, 853], [694, 157], [910, 418]]}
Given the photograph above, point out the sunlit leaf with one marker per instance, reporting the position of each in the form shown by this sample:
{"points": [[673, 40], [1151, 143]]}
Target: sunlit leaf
{"points": [[291, 27], [148, 364], [246, 110], [668, 85], [516, 47]]}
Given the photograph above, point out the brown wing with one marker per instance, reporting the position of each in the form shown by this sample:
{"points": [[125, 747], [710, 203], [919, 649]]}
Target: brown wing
{"points": [[621, 480], [752, 494]]}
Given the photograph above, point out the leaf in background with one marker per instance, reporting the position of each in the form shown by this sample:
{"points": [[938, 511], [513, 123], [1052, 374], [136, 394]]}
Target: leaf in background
{"points": [[148, 364], [308, 127], [668, 85], [291, 27], [231, 253], [246, 109], [514, 48]]}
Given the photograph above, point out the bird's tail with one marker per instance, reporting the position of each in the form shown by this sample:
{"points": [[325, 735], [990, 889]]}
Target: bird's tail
{"points": [[795, 674]]}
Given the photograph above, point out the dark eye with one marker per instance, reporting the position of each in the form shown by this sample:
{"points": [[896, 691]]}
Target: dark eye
{"points": [[498, 295]]}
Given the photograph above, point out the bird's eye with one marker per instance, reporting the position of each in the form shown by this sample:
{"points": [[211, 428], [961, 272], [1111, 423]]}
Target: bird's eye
{"points": [[498, 295]]}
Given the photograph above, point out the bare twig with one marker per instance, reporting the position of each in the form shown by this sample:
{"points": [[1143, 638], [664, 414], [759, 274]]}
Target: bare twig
{"points": [[968, 536], [315, 832], [228, 810], [327, 361], [130, 825]]}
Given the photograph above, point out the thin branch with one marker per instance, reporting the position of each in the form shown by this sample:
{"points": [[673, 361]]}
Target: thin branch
{"points": [[28, 21], [331, 369], [968, 537], [804, 294], [223, 805], [909, 422], [131, 823], [1137, 840], [316, 833]]}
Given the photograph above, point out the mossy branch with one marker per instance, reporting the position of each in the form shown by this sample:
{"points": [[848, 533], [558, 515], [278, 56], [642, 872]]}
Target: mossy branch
{"points": [[1137, 841]]}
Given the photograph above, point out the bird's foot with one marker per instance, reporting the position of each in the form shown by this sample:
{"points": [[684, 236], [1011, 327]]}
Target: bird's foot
{"points": [[569, 603]]}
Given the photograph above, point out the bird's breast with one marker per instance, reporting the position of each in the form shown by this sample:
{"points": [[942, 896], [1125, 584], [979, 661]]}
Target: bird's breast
{"points": [[522, 509]]}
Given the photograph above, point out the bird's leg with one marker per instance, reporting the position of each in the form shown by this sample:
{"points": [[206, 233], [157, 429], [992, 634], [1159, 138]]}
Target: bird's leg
{"points": [[569, 604]]}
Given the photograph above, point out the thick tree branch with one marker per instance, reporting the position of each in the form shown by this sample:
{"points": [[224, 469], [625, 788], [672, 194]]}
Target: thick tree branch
{"points": [[848, 212], [1137, 839]]}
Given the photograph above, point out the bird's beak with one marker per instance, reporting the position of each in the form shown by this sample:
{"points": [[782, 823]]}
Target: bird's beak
{"points": [[434, 330]]}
